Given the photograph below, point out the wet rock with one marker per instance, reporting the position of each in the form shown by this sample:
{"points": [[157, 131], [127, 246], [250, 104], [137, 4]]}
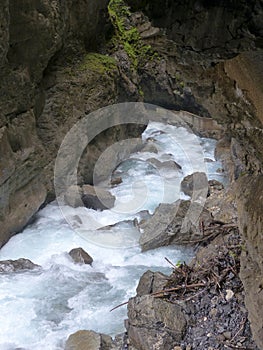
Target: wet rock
{"points": [[80, 256], [154, 323], [118, 225], [116, 181], [151, 282], [177, 222], [17, 265], [168, 164], [89, 340], [195, 184], [97, 198], [149, 147]]}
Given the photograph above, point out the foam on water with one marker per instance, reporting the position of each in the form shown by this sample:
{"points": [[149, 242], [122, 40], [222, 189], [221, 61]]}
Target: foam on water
{"points": [[40, 309]]}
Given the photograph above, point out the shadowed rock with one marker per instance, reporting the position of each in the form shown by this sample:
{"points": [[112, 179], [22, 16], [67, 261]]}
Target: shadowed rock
{"points": [[97, 198], [80, 256]]}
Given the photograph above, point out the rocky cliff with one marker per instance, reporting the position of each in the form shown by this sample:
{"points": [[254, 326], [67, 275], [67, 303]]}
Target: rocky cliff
{"points": [[32, 36], [201, 56]]}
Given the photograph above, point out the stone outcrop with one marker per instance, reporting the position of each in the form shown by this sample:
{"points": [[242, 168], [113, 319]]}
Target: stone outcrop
{"points": [[80, 256]]}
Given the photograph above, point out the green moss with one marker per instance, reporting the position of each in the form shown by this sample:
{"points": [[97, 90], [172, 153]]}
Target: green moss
{"points": [[128, 36], [141, 93], [98, 63]]}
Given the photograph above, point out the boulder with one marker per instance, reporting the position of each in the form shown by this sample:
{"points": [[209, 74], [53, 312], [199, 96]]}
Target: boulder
{"points": [[73, 196], [151, 282], [97, 198], [149, 147], [168, 164], [195, 185], [17, 265], [154, 323], [79, 256], [116, 181], [89, 340], [177, 222]]}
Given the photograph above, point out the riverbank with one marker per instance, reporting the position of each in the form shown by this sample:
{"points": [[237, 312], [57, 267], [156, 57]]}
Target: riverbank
{"points": [[199, 306]]}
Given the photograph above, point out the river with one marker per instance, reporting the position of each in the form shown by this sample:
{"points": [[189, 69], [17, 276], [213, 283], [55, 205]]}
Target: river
{"points": [[39, 309]]}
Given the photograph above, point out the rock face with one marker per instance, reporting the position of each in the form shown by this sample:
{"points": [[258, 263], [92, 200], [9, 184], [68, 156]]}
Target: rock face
{"points": [[79, 256], [18, 265], [250, 199], [154, 323], [31, 35], [209, 63]]}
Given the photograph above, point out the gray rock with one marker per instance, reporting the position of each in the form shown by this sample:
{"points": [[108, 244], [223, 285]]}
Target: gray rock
{"points": [[80, 256], [151, 282], [97, 198], [195, 184], [17, 265], [116, 181], [89, 340], [168, 164], [154, 323], [149, 147], [73, 196], [177, 222]]}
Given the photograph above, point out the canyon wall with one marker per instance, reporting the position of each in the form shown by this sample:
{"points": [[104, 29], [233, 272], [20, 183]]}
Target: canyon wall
{"points": [[33, 34], [208, 60]]}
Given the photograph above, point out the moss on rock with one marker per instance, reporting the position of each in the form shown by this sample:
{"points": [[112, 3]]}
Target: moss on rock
{"points": [[127, 35], [98, 63]]}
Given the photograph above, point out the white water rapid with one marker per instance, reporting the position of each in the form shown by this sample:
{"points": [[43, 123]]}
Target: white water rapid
{"points": [[39, 309]]}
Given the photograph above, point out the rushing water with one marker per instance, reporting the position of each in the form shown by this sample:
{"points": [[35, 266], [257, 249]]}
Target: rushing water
{"points": [[39, 309]]}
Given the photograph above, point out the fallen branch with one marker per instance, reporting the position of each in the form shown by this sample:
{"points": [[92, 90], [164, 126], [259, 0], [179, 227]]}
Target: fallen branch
{"points": [[169, 261], [116, 307], [240, 329], [189, 286]]}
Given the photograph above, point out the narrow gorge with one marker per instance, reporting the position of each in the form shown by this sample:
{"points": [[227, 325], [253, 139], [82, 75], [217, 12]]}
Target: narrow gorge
{"points": [[137, 71]]}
